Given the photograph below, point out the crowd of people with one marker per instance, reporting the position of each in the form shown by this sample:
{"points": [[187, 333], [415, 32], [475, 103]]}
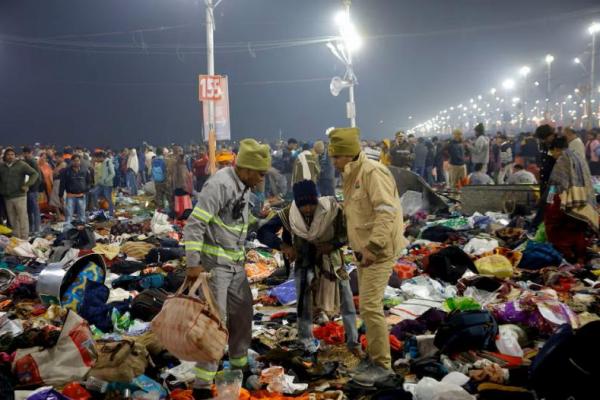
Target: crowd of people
{"points": [[72, 183]]}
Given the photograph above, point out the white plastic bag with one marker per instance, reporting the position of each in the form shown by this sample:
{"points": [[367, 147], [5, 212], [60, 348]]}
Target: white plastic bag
{"points": [[478, 246], [508, 342], [411, 202], [160, 223], [430, 389]]}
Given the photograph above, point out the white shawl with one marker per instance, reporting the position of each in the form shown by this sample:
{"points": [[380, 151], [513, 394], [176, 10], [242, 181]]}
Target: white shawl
{"points": [[321, 229]]}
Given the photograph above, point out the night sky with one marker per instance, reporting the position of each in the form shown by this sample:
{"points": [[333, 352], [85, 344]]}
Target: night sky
{"points": [[101, 73]]}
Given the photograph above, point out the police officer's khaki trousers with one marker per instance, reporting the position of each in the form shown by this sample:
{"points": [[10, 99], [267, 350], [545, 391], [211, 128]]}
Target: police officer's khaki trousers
{"points": [[372, 282]]}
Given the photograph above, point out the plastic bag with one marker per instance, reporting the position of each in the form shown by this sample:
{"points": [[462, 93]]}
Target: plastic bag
{"points": [[411, 202], [229, 384], [160, 223], [461, 303], [285, 293], [508, 342], [496, 265], [430, 389], [46, 393], [478, 246]]}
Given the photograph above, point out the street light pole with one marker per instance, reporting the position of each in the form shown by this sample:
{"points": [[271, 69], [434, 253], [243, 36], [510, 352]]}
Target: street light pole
{"points": [[549, 60], [210, 59], [351, 106]]}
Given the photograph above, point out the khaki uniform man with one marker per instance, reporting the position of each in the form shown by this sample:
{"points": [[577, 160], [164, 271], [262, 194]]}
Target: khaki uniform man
{"points": [[376, 235]]}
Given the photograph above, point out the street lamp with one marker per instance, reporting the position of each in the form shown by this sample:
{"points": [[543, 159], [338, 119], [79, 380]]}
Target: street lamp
{"points": [[348, 42], [524, 71], [549, 60], [508, 84]]}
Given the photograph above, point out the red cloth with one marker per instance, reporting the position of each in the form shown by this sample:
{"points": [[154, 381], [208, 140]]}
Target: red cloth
{"points": [[566, 233], [395, 343], [200, 167], [331, 333]]}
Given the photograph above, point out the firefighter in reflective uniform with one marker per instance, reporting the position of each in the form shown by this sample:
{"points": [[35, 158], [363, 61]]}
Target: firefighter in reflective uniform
{"points": [[214, 236]]}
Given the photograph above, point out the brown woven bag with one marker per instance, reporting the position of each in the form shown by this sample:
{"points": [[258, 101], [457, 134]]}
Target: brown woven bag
{"points": [[190, 327]]}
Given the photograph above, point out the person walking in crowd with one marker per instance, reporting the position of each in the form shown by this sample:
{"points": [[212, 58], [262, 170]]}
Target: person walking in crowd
{"points": [[480, 150], [158, 172], [478, 177], [457, 169], [570, 202], [133, 169], [225, 158], [75, 182], [16, 178], [575, 142], [402, 152], [545, 134], [180, 177], [326, 182], [438, 160], [46, 174], [56, 202], [520, 176], [429, 162], [306, 165], [200, 168], [104, 174], [376, 234], [288, 158], [420, 157], [592, 153], [313, 235], [372, 151], [506, 158], [148, 157], [385, 158], [33, 194], [214, 242], [529, 150]]}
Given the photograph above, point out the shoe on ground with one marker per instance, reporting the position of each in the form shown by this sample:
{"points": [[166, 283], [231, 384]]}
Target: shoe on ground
{"points": [[373, 375], [364, 365]]}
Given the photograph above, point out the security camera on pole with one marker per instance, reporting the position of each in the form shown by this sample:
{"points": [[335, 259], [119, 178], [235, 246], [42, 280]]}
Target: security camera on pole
{"points": [[343, 47]]}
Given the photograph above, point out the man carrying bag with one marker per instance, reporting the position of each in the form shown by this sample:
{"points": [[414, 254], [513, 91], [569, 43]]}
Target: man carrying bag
{"points": [[214, 235]]}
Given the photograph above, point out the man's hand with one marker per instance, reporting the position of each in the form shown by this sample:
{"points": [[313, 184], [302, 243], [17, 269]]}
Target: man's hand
{"points": [[194, 272], [324, 248], [368, 258], [24, 188], [289, 252]]}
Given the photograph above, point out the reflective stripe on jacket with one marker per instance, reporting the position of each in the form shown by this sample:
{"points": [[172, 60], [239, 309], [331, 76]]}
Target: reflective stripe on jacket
{"points": [[213, 237]]}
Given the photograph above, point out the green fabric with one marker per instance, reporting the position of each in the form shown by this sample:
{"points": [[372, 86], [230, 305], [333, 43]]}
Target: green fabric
{"points": [[461, 303], [344, 142], [13, 178], [253, 155], [540, 234]]}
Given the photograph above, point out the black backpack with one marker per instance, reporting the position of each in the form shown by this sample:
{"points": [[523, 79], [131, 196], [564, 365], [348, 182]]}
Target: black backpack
{"points": [[466, 330], [567, 366], [147, 304]]}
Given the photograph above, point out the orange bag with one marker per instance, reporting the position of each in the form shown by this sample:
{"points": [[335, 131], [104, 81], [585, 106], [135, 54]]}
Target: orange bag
{"points": [[190, 327]]}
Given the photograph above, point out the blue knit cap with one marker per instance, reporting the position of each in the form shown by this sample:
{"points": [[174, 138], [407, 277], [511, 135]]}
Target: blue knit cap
{"points": [[305, 193]]}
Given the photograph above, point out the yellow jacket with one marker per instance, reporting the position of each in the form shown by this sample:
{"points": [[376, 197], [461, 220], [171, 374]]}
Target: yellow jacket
{"points": [[372, 209]]}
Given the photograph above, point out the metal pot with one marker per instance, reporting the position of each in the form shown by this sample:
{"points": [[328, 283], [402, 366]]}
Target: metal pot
{"points": [[56, 277]]}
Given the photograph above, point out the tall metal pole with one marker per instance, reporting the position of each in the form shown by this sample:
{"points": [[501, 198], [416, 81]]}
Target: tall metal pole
{"points": [[210, 59], [548, 89], [592, 72], [351, 106]]}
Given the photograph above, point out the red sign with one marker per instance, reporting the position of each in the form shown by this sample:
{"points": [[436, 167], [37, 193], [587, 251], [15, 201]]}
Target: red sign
{"points": [[210, 88]]}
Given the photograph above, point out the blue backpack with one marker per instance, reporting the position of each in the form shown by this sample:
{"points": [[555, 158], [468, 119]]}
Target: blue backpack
{"points": [[158, 170]]}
